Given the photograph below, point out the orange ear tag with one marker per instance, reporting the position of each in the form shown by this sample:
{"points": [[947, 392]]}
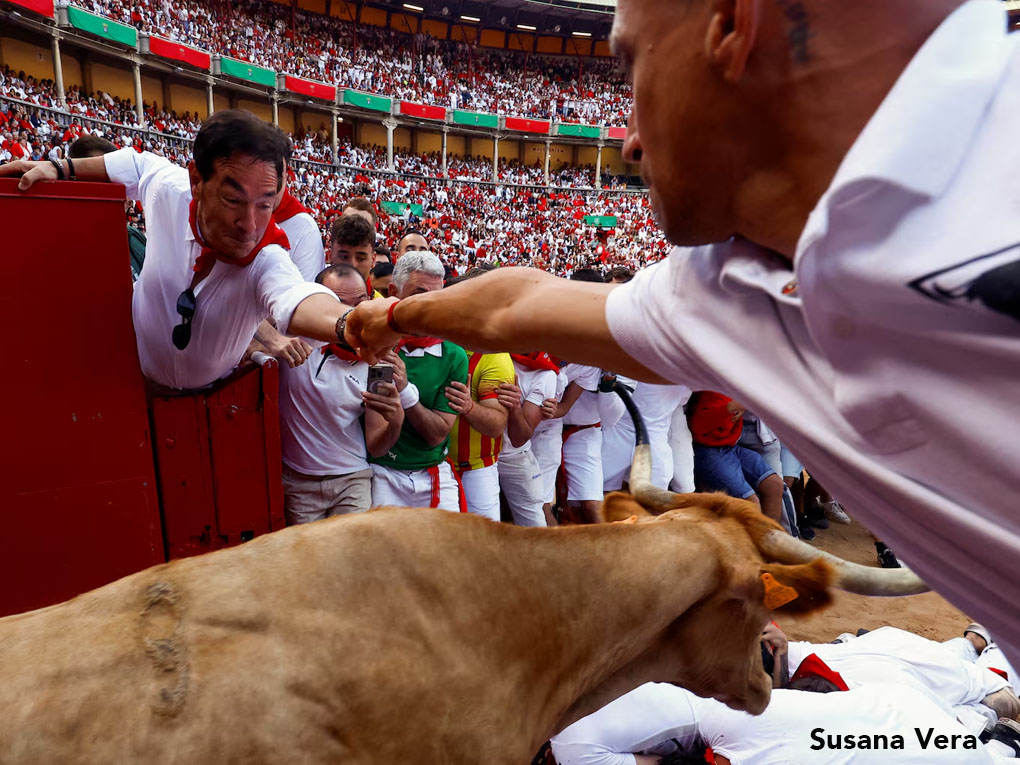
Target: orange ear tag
{"points": [[632, 519], [777, 594]]}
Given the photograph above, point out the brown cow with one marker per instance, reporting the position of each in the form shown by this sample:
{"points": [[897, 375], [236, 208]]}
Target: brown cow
{"points": [[399, 636]]}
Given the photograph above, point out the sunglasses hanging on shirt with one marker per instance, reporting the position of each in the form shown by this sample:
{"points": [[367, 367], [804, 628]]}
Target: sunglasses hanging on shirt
{"points": [[186, 305]]}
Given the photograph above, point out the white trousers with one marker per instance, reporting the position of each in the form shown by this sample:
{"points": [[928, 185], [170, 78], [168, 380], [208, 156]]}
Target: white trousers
{"points": [[618, 455], [547, 446], [683, 453], [582, 463], [520, 478], [433, 487], [481, 490]]}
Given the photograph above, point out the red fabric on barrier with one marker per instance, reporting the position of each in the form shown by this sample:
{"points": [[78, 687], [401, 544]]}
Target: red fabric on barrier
{"points": [[423, 111], [177, 52], [309, 88], [42, 7], [527, 126]]}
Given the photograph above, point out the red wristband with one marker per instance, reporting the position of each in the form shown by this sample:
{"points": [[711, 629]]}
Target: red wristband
{"points": [[391, 322]]}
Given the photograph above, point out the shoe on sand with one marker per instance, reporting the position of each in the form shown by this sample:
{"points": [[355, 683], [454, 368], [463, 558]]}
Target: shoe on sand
{"points": [[834, 512]]}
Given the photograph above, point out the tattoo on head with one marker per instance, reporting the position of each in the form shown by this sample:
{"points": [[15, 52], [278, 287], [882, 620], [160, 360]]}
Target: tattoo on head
{"points": [[800, 29]]}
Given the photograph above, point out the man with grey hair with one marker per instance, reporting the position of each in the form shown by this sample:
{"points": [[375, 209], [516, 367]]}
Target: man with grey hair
{"points": [[414, 472]]}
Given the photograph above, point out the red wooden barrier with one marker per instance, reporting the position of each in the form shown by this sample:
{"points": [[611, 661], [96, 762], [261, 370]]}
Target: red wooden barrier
{"points": [[78, 503], [218, 461]]}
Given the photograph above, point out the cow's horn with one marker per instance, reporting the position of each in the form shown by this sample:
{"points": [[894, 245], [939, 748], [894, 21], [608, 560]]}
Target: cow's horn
{"points": [[648, 496], [851, 577]]}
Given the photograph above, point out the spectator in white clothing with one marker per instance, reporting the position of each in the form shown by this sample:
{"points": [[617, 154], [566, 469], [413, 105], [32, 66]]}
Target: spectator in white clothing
{"points": [[520, 476], [216, 265], [330, 423]]}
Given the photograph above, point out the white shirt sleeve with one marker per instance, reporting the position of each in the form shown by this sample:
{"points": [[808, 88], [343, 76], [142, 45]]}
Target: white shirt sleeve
{"points": [[586, 377], [650, 315], [142, 174], [644, 720], [543, 388], [281, 288]]}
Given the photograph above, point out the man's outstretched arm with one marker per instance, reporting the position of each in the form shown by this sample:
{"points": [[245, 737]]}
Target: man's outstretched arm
{"points": [[85, 169], [517, 310]]}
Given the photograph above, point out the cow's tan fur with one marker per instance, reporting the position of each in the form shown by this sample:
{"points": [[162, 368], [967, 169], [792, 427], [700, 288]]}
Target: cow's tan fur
{"points": [[408, 636]]}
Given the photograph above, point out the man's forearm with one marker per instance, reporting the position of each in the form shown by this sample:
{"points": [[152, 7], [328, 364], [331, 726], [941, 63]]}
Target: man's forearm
{"points": [[489, 420], [316, 317], [431, 426], [87, 169], [380, 433], [509, 309], [264, 334], [495, 312], [518, 429]]}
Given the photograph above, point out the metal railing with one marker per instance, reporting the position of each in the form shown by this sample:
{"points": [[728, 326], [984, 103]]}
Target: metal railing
{"points": [[148, 136]]}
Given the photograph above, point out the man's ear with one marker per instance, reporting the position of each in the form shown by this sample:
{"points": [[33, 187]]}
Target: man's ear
{"points": [[731, 36], [618, 507], [391, 290], [195, 178]]}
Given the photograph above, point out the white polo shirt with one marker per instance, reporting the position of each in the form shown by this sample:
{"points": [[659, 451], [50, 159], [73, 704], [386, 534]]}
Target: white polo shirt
{"points": [[898, 393], [320, 411], [536, 386], [585, 410], [557, 422], [306, 248], [232, 301]]}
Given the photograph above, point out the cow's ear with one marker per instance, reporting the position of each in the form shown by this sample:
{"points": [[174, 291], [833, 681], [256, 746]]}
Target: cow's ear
{"points": [[621, 507], [796, 589]]}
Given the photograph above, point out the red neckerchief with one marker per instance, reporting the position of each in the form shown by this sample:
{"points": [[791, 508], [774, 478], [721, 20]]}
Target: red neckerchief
{"points": [[537, 361], [273, 235], [813, 666], [289, 207], [414, 343], [368, 284], [341, 353]]}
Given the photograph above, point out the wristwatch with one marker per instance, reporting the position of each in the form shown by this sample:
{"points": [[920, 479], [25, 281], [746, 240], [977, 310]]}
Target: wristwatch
{"points": [[341, 329]]}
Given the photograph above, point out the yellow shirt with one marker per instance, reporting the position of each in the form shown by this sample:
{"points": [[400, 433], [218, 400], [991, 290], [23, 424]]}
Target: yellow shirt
{"points": [[469, 449]]}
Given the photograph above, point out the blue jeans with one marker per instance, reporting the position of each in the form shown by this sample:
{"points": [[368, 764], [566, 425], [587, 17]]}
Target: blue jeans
{"points": [[731, 469]]}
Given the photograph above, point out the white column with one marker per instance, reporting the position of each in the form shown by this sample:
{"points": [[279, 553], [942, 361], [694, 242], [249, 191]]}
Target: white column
{"points": [[495, 158], [276, 109], [548, 147], [58, 72], [138, 94], [445, 132], [210, 102], [335, 139], [390, 125], [598, 166]]}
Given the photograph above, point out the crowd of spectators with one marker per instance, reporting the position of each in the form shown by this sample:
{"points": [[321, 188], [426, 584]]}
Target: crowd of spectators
{"points": [[312, 145], [502, 223], [415, 67], [498, 223]]}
